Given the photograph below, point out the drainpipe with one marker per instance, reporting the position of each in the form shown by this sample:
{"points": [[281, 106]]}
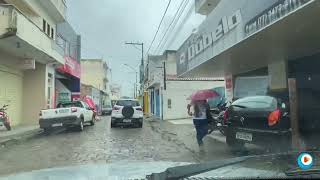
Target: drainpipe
{"points": [[161, 103]]}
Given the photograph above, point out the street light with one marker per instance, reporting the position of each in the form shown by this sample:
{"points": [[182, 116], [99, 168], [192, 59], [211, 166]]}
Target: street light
{"points": [[136, 84]]}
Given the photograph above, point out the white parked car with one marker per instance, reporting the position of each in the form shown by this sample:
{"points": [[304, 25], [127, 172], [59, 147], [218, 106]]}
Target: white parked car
{"points": [[71, 114], [127, 112]]}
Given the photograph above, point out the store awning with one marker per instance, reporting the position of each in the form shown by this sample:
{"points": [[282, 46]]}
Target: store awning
{"points": [[296, 35]]}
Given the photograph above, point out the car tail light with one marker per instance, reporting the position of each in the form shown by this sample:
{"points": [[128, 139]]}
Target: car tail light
{"points": [[274, 117], [116, 108], [139, 109], [73, 109], [225, 116]]}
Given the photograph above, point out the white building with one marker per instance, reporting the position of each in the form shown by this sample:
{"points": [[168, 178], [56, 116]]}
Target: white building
{"points": [[167, 97], [28, 56]]}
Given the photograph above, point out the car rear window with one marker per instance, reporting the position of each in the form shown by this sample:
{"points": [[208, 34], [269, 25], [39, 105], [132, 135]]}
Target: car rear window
{"points": [[128, 103], [71, 104], [257, 102]]}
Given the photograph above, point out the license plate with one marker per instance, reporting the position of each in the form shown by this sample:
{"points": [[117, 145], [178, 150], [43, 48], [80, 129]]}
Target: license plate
{"points": [[244, 136], [127, 120], [57, 125], [63, 110]]}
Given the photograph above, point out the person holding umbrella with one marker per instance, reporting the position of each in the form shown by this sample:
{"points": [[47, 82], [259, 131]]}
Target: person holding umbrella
{"points": [[201, 113]]}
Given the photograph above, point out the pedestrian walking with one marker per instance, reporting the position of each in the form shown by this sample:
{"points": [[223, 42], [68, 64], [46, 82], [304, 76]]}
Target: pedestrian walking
{"points": [[201, 114]]}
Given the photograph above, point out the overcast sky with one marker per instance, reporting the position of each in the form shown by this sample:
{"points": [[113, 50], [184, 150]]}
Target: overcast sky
{"points": [[105, 25]]}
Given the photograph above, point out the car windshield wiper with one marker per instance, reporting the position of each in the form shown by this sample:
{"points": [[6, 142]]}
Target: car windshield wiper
{"points": [[239, 106], [300, 172], [180, 172], [185, 171]]}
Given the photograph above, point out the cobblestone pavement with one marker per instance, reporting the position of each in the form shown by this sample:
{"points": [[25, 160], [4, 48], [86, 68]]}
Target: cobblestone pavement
{"points": [[96, 144]]}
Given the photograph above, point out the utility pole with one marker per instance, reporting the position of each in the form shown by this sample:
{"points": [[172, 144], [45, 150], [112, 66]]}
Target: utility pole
{"points": [[164, 76], [142, 62]]}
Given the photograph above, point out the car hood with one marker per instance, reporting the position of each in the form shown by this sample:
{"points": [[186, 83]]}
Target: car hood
{"points": [[133, 170]]}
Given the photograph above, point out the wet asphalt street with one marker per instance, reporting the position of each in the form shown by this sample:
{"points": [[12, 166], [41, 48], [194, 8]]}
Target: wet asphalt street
{"points": [[96, 144]]}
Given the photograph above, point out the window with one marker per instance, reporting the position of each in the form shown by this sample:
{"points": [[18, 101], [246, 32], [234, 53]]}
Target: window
{"points": [[71, 104], [257, 102], [44, 25], [128, 103], [48, 29], [169, 103], [61, 42], [52, 33], [67, 48]]}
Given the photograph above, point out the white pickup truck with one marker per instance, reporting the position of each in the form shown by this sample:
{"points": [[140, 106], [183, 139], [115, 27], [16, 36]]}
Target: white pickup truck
{"points": [[72, 114]]}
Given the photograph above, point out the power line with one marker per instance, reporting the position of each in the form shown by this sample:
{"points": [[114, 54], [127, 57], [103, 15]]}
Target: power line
{"points": [[186, 17], [173, 22], [164, 14]]}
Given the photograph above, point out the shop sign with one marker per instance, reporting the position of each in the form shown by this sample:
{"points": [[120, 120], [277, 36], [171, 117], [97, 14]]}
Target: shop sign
{"points": [[71, 67], [28, 64], [201, 42], [275, 12]]}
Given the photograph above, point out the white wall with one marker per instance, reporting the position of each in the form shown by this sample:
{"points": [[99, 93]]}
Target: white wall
{"points": [[178, 92], [42, 13], [171, 64]]}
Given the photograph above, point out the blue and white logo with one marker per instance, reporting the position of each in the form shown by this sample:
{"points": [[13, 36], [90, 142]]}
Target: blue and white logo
{"points": [[305, 161]]}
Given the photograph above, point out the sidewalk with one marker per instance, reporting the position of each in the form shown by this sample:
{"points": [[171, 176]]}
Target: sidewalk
{"points": [[216, 135], [17, 133], [182, 132]]}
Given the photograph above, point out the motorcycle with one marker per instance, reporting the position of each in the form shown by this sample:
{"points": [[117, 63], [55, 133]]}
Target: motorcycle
{"points": [[4, 118], [217, 122]]}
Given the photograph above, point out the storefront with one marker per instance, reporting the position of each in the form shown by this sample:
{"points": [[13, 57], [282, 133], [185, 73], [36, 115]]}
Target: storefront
{"points": [[251, 39], [257, 46], [68, 75], [67, 81]]}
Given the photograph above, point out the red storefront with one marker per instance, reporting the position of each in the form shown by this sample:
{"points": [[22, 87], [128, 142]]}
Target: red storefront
{"points": [[68, 81]]}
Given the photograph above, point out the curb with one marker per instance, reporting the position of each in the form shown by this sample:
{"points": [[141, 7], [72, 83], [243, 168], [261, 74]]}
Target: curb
{"points": [[19, 137]]}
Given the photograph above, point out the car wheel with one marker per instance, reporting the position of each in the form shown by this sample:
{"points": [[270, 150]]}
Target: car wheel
{"points": [[92, 122], [8, 127], [46, 131], [80, 126], [234, 144]]}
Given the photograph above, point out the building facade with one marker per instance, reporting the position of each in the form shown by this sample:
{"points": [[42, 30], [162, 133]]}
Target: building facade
{"points": [[68, 75], [94, 72], [166, 95], [254, 42], [29, 56], [93, 93], [260, 47], [115, 91]]}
